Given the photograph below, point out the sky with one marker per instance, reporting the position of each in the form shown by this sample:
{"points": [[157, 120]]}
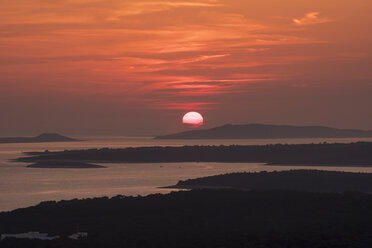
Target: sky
{"points": [[120, 67]]}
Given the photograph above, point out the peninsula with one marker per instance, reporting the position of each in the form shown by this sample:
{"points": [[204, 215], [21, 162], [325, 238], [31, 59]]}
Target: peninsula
{"points": [[299, 180], [63, 165]]}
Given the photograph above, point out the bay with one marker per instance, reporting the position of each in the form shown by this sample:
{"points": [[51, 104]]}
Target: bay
{"points": [[23, 187]]}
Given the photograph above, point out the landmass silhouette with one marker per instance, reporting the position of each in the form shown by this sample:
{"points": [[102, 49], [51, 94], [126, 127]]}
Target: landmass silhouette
{"points": [[338, 154], [299, 180], [261, 131], [63, 164], [45, 137], [199, 218]]}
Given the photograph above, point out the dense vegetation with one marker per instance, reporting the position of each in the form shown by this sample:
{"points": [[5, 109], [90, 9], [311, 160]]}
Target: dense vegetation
{"points": [[201, 218], [304, 180], [318, 154]]}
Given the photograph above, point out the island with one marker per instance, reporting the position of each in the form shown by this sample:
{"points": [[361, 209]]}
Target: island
{"points": [[335, 154], [64, 165], [45, 137], [261, 131], [299, 180]]}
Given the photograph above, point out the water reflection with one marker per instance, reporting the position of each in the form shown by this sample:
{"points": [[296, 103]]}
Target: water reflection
{"points": [[21, 187]]}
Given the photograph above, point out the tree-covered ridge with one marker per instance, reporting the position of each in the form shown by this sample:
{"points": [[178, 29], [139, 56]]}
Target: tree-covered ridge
{"points": [[301, 180], [201, 218]]}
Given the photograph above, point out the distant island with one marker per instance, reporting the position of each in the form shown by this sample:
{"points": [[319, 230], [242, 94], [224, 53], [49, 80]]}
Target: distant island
{"points": [[45, 137], [352, 154], [299, 180], [261, 131], [63, 164]]}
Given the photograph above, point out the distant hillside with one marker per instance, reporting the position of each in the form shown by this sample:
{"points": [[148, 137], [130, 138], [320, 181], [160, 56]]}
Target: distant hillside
{"points": [[45, 137], [261, 131]]}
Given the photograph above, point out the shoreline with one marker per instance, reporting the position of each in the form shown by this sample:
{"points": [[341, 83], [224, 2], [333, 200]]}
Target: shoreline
{"points": [[63, 165]]}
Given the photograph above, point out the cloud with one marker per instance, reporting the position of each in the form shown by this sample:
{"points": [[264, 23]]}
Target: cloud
{"points": [[162, 50], [141, 8], [310, 18], [184, 105]]}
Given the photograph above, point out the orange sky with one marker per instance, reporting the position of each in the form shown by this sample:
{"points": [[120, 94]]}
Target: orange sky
{"points": [[134, 67]]}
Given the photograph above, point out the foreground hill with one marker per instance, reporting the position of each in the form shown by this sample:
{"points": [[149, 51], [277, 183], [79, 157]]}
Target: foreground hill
{"points": [[301, 180], [261, 131], [200, 218], [45, 137], [353, 154]]}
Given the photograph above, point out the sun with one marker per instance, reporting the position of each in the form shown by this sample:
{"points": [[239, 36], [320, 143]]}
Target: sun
{"points": [[194, 119]]}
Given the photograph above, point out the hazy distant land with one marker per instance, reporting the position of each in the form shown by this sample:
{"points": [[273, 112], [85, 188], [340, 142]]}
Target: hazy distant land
{"points": [[352, 154], [299, 180], [261, 131], [45, 137]]}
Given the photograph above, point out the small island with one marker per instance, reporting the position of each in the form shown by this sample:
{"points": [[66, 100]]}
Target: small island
{"points": [[64, 165], [45, 137]]}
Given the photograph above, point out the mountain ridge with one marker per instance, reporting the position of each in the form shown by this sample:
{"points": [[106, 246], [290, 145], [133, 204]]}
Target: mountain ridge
{"points": [[264, 131]]}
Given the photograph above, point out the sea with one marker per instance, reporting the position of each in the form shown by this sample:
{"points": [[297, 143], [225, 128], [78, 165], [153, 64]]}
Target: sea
{"points": [[23, 187]]}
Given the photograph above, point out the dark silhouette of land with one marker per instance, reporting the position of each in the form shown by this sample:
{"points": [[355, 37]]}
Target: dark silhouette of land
{"points": [[301, 180], [63, 164], [351, 154], [261, 131], [200, 218], [45, 137]]}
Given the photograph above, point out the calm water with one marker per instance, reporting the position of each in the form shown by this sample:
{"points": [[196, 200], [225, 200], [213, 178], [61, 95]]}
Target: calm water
{"points": [[22, 187]]}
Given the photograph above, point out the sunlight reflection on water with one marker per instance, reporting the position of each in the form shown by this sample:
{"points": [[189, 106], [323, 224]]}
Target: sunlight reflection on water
{"points": [[21, 186]]}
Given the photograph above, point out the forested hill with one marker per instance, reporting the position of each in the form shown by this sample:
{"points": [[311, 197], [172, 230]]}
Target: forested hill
{"points": [[301, 180], [200, 218]]}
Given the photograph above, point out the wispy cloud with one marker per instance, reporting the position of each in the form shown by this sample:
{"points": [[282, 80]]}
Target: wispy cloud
{"points": [[310, 19], [139, 8], [184, 105], [190, 50]]}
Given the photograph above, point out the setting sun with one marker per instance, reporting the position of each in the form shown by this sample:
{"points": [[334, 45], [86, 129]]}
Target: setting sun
{"points": [[194, 119]]}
